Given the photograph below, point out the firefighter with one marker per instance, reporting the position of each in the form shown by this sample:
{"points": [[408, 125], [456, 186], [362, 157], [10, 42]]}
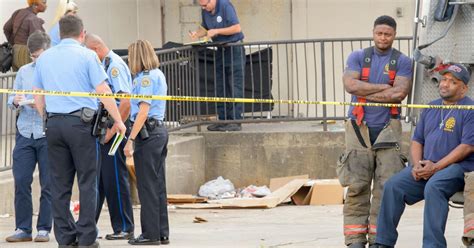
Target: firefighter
{"points": [[468, 237], [441, 151], [372, 149]]}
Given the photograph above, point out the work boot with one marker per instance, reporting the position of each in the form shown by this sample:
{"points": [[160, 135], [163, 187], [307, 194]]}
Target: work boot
{"points": [[356, 245], [231, 127], [19, 236], [215, 127]]}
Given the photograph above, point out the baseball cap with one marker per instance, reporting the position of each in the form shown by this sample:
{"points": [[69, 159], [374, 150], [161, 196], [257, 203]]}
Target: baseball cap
{"points": [[459, 71]]}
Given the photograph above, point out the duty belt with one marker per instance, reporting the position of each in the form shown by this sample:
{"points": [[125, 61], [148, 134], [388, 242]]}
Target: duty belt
{"points": [[76, 113]]}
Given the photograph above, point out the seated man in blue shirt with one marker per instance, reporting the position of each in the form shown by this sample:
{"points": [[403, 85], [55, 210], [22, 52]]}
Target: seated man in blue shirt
{"points": [[30, 148], [441, 151]]}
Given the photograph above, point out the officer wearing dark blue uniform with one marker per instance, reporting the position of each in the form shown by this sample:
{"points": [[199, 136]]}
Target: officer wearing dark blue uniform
{"points": [[220, 22], [71, 146], [148, 143], [113, 178]]}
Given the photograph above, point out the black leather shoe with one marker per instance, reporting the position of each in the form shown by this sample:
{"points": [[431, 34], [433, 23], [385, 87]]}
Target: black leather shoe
{"points": [[94, 245], [119, 236], [215, 127], [164, 240], [144, 241]]}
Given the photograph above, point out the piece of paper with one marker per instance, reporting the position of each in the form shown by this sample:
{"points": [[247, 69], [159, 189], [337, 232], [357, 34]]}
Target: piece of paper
{"points": [[115, 145], [26, 102], [201, 41]]}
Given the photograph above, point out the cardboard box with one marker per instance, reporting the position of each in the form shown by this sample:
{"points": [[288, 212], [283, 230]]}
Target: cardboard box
{"points": [[320, 192], [278, 182]]}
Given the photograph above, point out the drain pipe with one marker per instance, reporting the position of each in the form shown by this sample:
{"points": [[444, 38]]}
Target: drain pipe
{"points": [[411, 96]]}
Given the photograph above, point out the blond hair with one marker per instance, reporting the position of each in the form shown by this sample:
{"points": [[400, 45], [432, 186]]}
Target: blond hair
{"points": [[142, 57]]}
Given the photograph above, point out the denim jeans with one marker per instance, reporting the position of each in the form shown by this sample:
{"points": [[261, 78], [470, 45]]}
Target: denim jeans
{"points": [[26, 154]]}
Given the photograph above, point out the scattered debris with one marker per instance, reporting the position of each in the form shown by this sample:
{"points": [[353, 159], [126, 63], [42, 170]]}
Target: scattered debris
{"points": [[219, 188], [74, 206], [182, 199], [198, 219], [3, 216], [269, 201], [254, 191]]}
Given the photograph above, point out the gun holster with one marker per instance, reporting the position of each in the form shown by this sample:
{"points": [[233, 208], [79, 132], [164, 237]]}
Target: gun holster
{"points": [[87, 115]]}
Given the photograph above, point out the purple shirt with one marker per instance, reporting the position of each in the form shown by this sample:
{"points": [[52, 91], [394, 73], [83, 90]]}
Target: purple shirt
{"points": [[377, 116], [457, 128]]}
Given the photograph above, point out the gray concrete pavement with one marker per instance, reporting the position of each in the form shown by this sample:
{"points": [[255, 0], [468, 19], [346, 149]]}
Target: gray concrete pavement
{"points": [[284, 226]]}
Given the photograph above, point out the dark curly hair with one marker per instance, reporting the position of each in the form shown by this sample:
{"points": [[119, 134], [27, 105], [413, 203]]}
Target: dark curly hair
{"points": [[386, 20]]}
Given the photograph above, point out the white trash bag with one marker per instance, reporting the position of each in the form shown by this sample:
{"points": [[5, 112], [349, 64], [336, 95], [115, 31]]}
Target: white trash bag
{"points": [[217, 189]]}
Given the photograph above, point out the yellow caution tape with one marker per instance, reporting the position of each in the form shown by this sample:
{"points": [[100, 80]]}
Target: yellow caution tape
{"points": [[230, 100]]}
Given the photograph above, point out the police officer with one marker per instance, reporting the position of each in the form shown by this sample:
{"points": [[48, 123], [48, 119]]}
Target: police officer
{"points": [[113, 178], [148, 143], [71, 146]]}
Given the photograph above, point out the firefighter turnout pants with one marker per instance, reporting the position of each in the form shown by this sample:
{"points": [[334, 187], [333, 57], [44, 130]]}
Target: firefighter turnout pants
{"points": [[468, 237], [359, 165]]}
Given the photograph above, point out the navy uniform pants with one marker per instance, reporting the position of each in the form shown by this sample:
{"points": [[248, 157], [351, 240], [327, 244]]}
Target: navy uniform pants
{"points": [[71, 151], [149, 157], [402, 189], [230, 68], [26, 154], [114, 186]]}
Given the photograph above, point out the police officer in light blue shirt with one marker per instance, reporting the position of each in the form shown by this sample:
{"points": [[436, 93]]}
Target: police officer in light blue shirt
{"points": [[148, 143], [30, 148], [113, 178], [72, 148], [150, 83]]}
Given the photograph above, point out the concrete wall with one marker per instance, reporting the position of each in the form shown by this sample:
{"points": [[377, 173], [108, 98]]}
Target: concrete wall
{"points": [[255, 158]]}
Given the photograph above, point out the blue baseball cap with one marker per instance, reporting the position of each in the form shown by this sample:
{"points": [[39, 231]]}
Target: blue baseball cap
{"points": [[459, 71]]}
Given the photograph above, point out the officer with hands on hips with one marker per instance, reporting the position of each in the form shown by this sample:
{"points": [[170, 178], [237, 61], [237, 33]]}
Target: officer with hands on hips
{"points": [[71, 146], [147, 143], [113, 176]]}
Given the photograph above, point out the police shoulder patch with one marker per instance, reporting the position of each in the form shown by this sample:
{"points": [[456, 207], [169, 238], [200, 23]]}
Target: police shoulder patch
{"points": [[114, 72], [145, 82]]}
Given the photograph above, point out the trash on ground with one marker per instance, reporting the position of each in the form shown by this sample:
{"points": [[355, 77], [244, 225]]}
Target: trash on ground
{"points": [[254, 191], [2, 216], [74, 206], [269, 201], [182, 199], [219, 188], [198, 219]]}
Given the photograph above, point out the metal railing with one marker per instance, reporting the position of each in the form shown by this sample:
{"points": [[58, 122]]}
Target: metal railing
{"points": [[281, 70], [7, 124]]}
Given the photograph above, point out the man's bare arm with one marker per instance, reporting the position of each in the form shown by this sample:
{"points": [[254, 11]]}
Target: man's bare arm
{"points": [[395, 94], [39, 102], [354, 86]]}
